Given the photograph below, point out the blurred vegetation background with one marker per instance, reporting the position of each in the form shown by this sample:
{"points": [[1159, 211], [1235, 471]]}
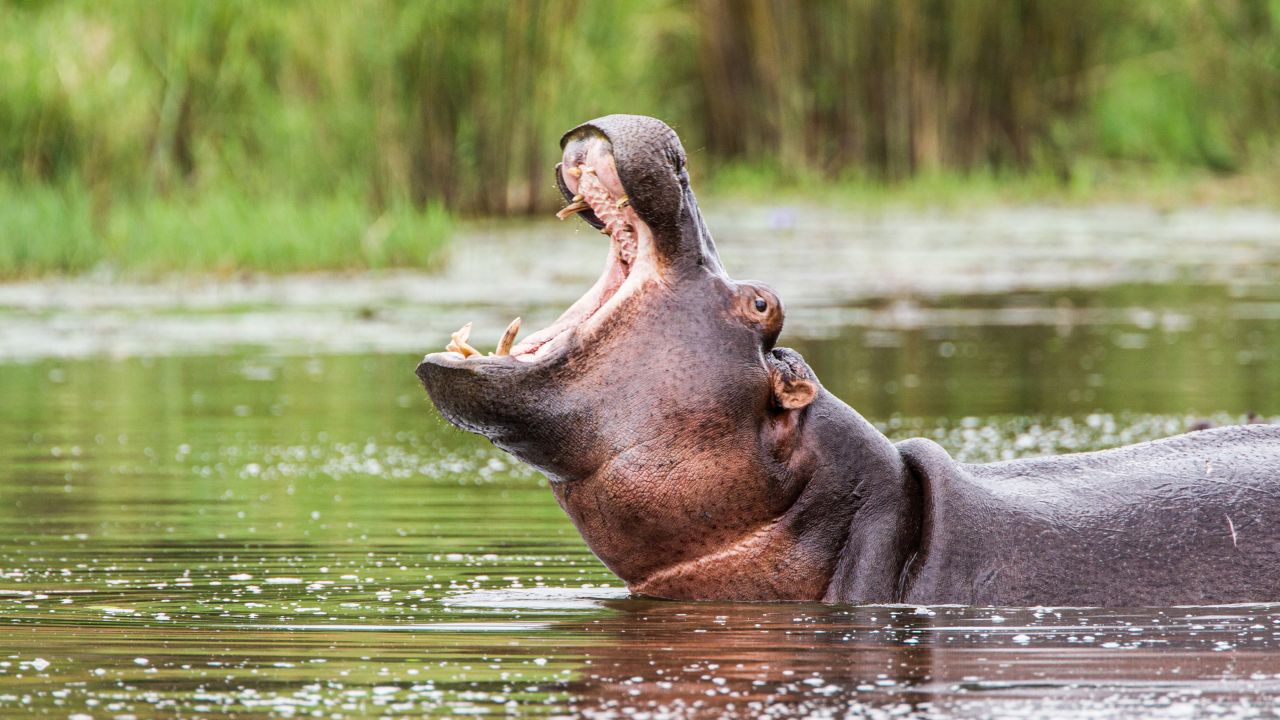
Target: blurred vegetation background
{"points": [[195, 135]]}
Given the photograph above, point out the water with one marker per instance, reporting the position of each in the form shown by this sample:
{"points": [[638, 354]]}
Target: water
{"points": [[284, 530]]}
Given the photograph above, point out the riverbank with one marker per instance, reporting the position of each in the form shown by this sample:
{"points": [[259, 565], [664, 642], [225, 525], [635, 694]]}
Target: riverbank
{"points": [[69, 232], [1090, 184]]}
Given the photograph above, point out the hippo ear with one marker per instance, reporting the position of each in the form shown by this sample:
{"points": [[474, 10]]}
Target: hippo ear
{"points": [[794, 384], [795, 394]]}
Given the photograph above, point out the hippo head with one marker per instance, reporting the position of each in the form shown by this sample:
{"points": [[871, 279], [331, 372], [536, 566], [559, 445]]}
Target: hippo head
{"points": [[658, 406]]}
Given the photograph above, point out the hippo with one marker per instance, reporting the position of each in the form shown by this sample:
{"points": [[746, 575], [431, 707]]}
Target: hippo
{"points": [[700, 460]]}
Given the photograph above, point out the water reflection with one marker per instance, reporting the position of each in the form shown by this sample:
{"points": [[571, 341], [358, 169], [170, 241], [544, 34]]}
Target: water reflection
{"points": [[724, 659], [601, 654]]}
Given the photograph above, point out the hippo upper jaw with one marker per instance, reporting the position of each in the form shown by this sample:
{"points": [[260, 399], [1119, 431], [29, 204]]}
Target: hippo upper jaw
{"points": [[643, 159]]}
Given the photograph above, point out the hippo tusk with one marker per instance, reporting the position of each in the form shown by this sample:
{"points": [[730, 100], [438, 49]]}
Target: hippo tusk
{"points": [[508, 337], [573, 208]]}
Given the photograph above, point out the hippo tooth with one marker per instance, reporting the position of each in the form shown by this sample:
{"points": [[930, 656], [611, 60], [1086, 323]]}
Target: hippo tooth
{"points": [[508, 337], [623, 202], [458, 342], [573, 172], [576, 207], [462, 335]]}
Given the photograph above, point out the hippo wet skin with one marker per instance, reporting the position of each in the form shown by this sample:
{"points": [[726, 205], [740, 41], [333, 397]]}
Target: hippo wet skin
{"points": [[700, 461]]}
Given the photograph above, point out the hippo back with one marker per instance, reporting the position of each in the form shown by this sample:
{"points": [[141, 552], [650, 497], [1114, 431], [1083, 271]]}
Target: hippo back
{"points": [[1184, 520]]}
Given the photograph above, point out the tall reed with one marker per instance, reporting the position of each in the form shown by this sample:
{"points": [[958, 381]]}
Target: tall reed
{"points": [[460, 102]]}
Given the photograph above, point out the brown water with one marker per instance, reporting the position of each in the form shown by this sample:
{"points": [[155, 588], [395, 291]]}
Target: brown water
{"points": [[253, 531]]}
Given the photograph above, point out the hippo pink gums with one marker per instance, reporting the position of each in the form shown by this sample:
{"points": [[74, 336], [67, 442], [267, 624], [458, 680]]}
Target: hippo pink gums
{"points": [[700, 461]]}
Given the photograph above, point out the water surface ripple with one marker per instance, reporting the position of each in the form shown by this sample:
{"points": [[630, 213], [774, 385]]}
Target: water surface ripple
{"points": [[190, 526]]}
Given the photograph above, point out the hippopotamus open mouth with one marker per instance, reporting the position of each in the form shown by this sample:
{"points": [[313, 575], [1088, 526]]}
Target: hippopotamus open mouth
{"points": [[698, 460], [590, 181]]}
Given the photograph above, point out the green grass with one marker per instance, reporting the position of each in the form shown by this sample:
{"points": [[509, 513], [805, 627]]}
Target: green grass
{"points": [[462, 101], [46, 230], [57, 231], [220, 135], [1090, 183]]}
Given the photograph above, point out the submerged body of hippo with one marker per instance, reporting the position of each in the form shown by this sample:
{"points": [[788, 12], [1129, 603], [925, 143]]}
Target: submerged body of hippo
{"points": [[699, 461]]}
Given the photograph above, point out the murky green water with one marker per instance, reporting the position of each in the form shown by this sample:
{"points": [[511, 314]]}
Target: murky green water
{"points": [[287, 535], [256, 533]]}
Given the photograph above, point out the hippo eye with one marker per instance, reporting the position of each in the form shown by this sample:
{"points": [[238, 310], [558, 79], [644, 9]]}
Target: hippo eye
{"points": [[761, 305]]}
